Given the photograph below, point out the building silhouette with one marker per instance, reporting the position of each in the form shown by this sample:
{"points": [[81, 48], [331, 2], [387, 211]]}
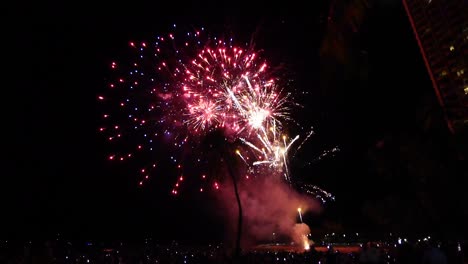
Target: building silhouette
{"points": [[441, 31]]}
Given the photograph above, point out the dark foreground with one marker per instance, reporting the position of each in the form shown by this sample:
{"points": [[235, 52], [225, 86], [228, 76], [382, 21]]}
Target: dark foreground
{"points": [[60, 251]]}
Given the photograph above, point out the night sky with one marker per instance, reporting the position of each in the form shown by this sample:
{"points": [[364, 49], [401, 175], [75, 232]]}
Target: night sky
{"points": [[57, 178]]}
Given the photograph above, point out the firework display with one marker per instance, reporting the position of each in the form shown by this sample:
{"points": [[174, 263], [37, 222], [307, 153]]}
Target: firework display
{"points": [[179, 88]]}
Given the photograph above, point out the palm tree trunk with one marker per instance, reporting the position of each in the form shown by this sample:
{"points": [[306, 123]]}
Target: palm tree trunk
{"points": [[232, 173]]}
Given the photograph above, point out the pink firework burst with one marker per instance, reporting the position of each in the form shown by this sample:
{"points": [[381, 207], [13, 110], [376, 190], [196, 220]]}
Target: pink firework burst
{"points": [[237, 85], [175, 89]]}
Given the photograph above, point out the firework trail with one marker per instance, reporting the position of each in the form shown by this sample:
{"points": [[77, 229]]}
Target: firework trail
{"points": [[315, 191]]}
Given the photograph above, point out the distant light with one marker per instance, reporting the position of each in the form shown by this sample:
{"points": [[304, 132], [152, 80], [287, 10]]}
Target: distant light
{"points": [[452, 48]]}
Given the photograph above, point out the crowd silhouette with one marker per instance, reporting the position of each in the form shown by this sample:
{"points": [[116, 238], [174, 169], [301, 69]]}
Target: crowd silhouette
{"points": [[57, 251]]}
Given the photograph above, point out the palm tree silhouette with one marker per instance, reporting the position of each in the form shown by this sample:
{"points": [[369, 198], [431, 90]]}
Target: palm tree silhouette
{"points": [[220, 148]]}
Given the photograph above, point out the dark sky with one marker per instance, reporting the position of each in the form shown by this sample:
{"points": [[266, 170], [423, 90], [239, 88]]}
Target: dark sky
{"points": [[56, 177]]}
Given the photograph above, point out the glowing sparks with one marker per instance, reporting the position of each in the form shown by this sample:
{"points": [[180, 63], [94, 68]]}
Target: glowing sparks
{"points": [[176, 90], [299, 210], [305, 242], [271, 150], [316, 192], [257, 117], [204, 115], [226, 87]]}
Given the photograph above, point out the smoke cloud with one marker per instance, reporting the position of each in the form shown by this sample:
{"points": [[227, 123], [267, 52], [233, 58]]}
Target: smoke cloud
{"points": [[270, 211]]}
